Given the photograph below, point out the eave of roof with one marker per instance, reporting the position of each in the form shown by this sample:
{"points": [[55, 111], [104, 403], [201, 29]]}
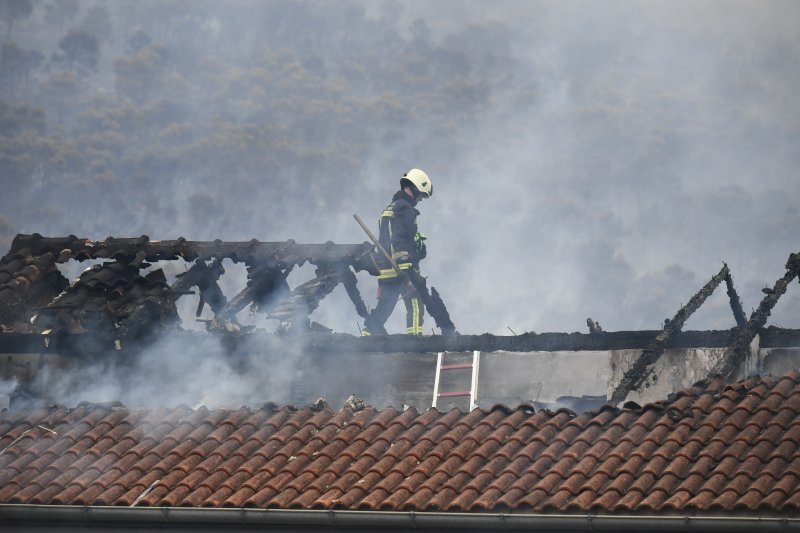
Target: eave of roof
{"points": [[87, 515]]}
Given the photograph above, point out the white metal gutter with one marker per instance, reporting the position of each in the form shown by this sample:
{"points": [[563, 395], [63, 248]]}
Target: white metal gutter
{"points": [[21, 515]]}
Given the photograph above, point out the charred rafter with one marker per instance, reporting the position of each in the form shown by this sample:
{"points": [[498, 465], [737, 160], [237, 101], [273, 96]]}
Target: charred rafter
{"points": [[635, 376], [736, 303], [284, 254], [204, 277], [293, 309], [348, 279], [265, 285], [740, 347]]}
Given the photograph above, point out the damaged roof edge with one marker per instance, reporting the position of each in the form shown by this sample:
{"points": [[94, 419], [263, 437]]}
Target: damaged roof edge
{"points": [[17, 514], [75, 344]]}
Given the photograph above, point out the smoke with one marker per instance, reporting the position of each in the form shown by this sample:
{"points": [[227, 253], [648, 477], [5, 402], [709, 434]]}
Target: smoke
{"points": [[589, 158], [188, 368], [7, 388], [168, 373]]}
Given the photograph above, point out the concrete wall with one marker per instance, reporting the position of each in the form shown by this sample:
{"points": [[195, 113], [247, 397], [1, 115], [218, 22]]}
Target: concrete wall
{"points": [[680, 369], [510, 378], [674, 370]]}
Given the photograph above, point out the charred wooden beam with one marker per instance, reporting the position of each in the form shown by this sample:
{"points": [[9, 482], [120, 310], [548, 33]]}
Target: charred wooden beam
{"points": [[740, 346], [635, 376], [433, 303], [204, 277], [350, 285], [265, 284], [293, 310], [736, 303], [283, 255]]}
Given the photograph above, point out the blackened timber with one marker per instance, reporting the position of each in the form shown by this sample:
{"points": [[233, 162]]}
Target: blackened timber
{"points": [[638, 372], [204, 277], [524, 342], [351, 287], [295, 307], [283, 254], [433, 302], [736, 303], [264, 285], [68, 344], [740, 347], [774, 337]]}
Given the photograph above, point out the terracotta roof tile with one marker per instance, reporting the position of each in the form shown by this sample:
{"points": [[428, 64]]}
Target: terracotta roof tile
{"points": [[726, 500], [787, 484], [709, 448], [792, 501], [594, 484], [609, 467], [787, 449], [774, 500], [784, 418], [629, 501]]}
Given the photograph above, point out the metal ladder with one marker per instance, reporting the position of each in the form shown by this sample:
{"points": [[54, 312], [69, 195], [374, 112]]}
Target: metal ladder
{"points": [[473, 390]]}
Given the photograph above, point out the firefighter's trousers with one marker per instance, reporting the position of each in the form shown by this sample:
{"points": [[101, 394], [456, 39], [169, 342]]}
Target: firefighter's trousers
{"points": [[388, 291]]}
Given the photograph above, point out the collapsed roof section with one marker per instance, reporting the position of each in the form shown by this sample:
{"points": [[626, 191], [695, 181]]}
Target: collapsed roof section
{"points": [[123, 299], [738, 348], [116, 298]]}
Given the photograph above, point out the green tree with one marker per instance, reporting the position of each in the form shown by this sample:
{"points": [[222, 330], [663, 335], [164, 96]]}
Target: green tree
{"points": [[11, 10]]}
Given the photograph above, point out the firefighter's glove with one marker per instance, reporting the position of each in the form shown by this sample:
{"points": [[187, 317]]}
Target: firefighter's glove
{"points": [[419, 243]]}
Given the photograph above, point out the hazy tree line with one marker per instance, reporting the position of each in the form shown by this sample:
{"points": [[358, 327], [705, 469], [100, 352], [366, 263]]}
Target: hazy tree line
{"points": [[640, 144], [125, 102]]}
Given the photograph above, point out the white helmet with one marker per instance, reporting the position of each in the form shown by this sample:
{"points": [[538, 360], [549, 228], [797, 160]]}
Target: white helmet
{"points": [[420, 180]]}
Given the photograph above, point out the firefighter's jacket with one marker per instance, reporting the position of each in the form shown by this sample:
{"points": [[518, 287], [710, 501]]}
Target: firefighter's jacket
{"points": [[398, 226]]}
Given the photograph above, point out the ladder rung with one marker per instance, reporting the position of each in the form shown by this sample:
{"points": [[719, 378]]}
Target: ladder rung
{"points": [[456, 366], [472, 393], [454, 394]]}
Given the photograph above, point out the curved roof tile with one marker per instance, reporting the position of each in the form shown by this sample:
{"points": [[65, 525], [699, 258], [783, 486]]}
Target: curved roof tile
{"points": [[711, 448]]}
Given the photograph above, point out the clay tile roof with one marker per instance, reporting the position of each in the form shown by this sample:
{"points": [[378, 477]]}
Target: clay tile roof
{"points": [[711, 448]]}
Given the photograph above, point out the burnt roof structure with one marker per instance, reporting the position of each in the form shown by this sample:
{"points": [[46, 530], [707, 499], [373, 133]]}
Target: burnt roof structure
{"points": [[123, 301], [117, 299]]}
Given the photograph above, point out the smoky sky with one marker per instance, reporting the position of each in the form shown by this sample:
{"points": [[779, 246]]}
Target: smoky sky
{"points": [[589, 159]]}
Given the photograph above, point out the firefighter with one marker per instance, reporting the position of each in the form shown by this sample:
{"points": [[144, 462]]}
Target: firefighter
{"points": [[399, 236]]}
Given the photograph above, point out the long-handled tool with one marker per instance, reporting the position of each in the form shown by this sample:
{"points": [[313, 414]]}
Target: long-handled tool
{"points": [[432, 300]]}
